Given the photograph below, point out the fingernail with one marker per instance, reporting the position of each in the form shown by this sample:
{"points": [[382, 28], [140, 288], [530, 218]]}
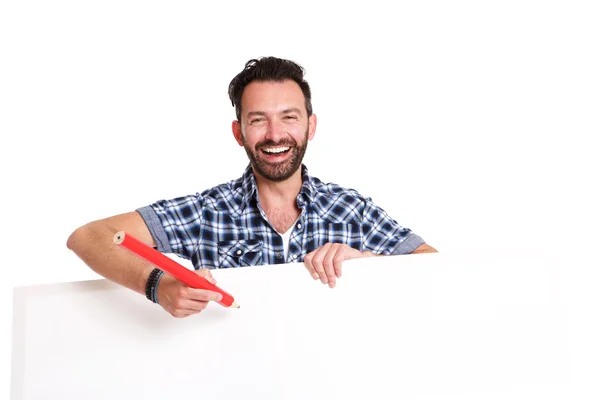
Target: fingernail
{"points": [[331, 284], [323, 281], [315, 276]]}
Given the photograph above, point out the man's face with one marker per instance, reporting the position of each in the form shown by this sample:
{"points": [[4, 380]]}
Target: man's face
{"points": [[275, 128]]}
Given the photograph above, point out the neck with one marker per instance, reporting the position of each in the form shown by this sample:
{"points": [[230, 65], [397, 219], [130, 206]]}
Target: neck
{"points": [[279, 194]]}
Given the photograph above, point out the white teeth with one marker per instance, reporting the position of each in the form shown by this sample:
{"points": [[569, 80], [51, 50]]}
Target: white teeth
{"points": [[276, 150]]}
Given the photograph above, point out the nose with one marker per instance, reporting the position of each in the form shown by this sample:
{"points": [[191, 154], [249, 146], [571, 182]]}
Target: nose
{"points": [[275, 130]]}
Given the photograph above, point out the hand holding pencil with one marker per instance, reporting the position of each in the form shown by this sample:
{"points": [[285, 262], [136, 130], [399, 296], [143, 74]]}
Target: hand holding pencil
{"points": [[181, 292], [180, 300]]}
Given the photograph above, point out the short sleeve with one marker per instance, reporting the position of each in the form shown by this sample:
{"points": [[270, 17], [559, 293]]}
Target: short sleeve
{"points": [[383, 235], [174, 224]]}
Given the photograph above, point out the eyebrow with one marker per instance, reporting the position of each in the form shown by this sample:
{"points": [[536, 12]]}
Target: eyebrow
{"points": [[262, 114], [291, 110], [254, 114]]}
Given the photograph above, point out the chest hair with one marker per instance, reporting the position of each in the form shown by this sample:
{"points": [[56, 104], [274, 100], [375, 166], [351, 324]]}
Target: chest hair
{"points": [[282, 219]]}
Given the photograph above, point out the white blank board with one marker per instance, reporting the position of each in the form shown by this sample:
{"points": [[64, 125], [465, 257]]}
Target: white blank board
{"points": [[429, 326]]}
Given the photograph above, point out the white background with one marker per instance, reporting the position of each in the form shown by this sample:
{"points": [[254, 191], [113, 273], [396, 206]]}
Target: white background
{"points": [[472, 123]]}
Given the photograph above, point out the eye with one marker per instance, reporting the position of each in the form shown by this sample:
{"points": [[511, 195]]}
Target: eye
{"points": [[290, 117], [256, 120]]}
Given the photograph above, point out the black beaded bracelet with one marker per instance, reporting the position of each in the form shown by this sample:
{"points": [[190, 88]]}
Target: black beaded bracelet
{"points": [[155, 294], [151, 284]]}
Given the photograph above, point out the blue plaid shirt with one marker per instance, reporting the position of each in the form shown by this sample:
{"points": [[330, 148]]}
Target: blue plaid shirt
{"points": [[226, 227]]}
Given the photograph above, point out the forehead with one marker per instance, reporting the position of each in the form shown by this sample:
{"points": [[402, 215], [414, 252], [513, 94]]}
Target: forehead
{"points": [[272, 96]]}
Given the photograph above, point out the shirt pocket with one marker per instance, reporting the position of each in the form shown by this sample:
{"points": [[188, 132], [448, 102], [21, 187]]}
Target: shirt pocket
{"points": [[240, 253], [349, 234]]}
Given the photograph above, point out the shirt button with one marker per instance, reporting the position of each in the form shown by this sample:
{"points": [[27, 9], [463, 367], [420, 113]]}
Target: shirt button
{"points": [[295, 256], [239, 252], [299, 226], [279, 256]]}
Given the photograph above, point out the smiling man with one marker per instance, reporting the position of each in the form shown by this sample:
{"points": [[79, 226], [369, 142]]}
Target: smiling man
{"points": [[274, 213]]}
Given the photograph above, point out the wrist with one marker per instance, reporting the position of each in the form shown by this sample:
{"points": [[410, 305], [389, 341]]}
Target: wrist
{"points": [[156, 287], [152, 284], [370, 254]]}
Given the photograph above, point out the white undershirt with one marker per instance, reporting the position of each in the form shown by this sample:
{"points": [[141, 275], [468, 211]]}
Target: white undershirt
{"points": [[286, 241]]}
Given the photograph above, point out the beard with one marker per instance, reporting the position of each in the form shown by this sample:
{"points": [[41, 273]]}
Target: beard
{"points": [[277, 171]]}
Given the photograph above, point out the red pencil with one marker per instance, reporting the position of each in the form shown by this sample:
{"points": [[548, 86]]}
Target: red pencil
{"points": [[171, 267]]}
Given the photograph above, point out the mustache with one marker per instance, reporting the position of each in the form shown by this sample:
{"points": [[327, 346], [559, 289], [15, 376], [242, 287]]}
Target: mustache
{"points": [[271, 143]]}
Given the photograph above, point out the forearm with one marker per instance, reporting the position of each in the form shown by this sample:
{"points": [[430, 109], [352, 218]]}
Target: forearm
{"points": [[424, 248], [93, 244]]}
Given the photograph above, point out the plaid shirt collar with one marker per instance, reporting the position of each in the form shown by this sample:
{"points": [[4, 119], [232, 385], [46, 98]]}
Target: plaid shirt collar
{"points": [[250, 191]]}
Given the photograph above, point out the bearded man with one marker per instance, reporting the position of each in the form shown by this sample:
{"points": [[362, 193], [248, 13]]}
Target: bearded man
{"points": [[275, 213]]}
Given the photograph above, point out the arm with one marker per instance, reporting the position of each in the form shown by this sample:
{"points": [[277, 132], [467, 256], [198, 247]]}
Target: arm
{"points": [[93, 244], [325, 263], [424, 248], [381, 236]]}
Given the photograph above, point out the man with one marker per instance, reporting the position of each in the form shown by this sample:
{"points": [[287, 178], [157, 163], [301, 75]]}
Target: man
{"points": [[275, 213]]}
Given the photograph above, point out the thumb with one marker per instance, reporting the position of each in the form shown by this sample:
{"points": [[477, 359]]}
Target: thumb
{"points": [[205, 273]]}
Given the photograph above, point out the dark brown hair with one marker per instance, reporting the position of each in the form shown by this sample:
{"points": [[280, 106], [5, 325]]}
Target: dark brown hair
{"points": [[267, 69]]}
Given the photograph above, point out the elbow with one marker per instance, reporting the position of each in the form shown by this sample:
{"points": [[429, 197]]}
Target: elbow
{"points": [[72, 239], [76, 236]]}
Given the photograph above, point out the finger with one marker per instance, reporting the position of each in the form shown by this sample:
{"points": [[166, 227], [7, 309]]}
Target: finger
{"points": [[203, 295], [328, 263], [183, 313], [190, 306], [344, 253], [308, 265], [185, 304], [205, 273], [317, 262], [337, 263]]}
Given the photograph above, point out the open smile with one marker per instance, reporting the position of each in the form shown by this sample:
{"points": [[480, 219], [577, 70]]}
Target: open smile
{"points": [[274, 153]]}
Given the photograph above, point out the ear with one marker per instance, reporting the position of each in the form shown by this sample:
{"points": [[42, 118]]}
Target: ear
{"points": [[312, 126], [236, 128]]}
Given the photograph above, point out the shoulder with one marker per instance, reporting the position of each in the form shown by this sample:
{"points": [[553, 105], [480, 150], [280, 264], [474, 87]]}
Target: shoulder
{"points": [[337, 203], [337, 192], [226, 197]]}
